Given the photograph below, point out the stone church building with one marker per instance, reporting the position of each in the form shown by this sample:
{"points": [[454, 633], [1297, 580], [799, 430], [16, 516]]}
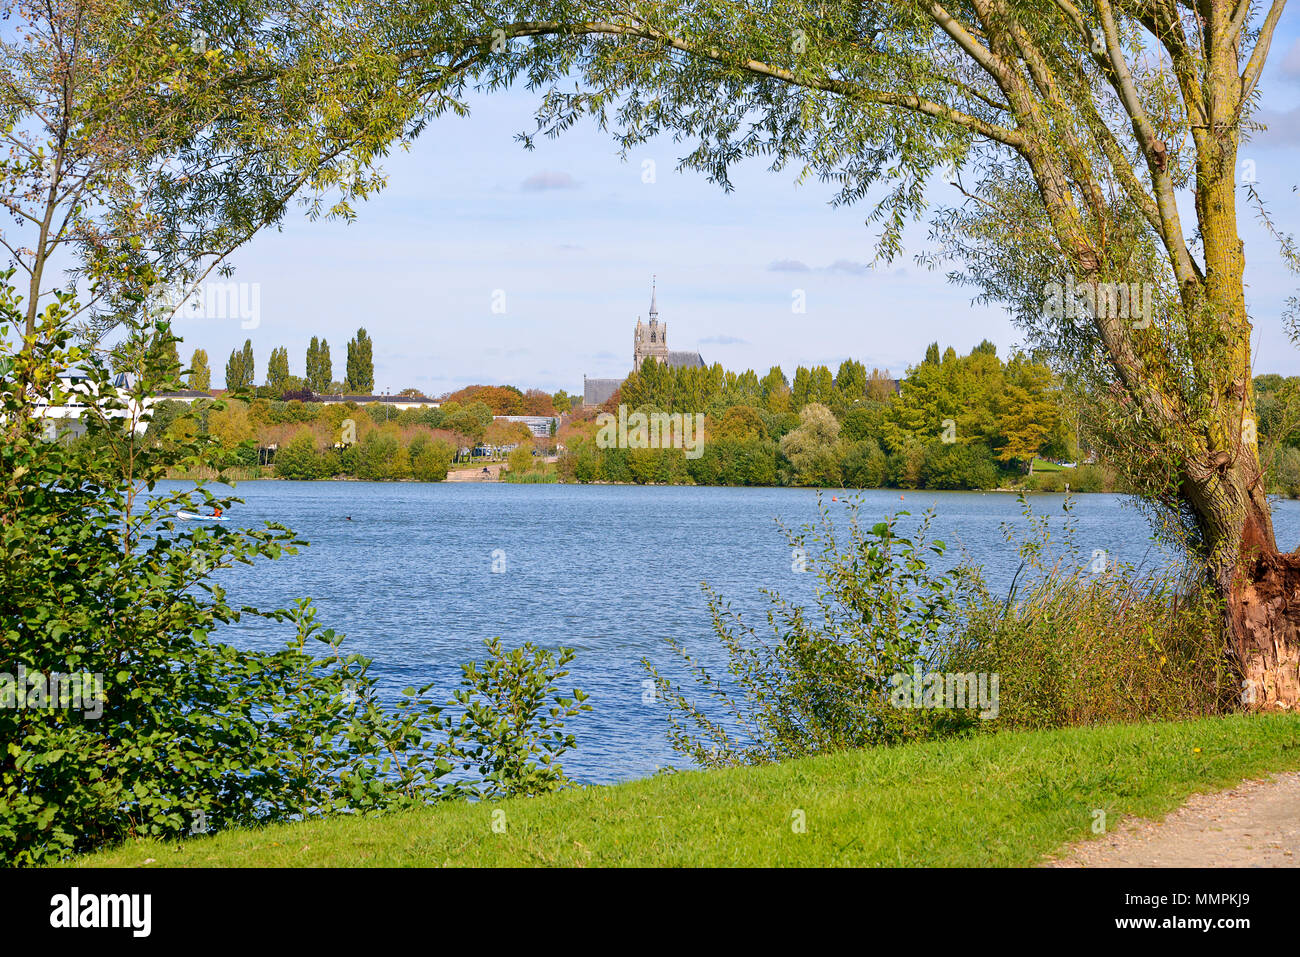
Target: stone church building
{"points": [[649, 341]]}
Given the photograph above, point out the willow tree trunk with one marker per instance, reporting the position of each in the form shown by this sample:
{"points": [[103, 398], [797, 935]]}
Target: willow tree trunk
{"points": [[1259, 586]]}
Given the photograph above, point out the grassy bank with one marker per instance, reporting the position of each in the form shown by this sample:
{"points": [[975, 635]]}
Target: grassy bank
{"points": [[1002, 800]]}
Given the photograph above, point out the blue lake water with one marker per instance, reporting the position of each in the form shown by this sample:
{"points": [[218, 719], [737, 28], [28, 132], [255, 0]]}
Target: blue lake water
{"points": [[611, 571]]}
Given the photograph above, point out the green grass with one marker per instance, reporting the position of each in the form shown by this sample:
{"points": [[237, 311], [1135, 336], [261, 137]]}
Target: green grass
{"points": [[531, 478], [1001, 799], [1042, 465]]}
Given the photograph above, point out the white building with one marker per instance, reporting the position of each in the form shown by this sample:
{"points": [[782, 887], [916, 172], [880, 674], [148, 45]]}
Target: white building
{"points": [[78, 395], [539, 425]]}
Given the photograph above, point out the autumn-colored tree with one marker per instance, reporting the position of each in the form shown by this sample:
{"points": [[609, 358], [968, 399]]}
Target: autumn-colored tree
{"points": [[1027, 411], [538, 402], [741, 423], [880, 386], [500, 399], [231, 426], [501, 432]]}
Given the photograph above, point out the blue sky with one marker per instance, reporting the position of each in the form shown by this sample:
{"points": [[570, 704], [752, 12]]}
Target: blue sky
{"points": [[570, 235]]}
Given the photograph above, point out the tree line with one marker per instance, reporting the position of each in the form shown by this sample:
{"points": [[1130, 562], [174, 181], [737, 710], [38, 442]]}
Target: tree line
{"points": [[318, 377], [953, 422], [310, 440]]}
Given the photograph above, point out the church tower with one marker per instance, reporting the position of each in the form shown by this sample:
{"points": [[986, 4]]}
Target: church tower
{"points": [[650, 341]]}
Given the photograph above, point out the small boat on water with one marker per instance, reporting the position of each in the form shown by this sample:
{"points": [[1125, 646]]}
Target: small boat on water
{"points": [[196, 517]]}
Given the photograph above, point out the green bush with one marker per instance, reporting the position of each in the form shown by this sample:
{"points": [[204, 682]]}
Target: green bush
{"points": [[1045, 482], [865, 465], [430, 460], [1087, 478], [521, 459], [299, 459], [905, 466], [581, 462], [822, 683], [381, 457], [958, 466], [179, 732], [730, 461]]}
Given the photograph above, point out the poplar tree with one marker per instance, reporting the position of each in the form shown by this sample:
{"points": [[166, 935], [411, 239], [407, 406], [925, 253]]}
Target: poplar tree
{"points": [[361, 364], [200, 374], [277, 369]]}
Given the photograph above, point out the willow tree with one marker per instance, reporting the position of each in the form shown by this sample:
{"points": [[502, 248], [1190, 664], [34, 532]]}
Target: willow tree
{"points": [[144, 141], [1072, 128]]}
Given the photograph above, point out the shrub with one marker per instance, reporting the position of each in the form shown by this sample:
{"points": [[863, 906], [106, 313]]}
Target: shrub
{"points": [[179, 731], [521, 459], [430, 460], [822, 682], [298, 459], [864, 465], [958, 466], [1092, 641], [382, 457], [1045, 482], [1088, 478], [905, 466], [1072, 643], [581, 462]]}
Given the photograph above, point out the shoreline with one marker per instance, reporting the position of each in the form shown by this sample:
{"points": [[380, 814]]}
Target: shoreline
{"points": [[478, 479]]}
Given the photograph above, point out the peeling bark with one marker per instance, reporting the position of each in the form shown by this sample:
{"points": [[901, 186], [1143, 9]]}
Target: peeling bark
{"points": [[1263, 618]]}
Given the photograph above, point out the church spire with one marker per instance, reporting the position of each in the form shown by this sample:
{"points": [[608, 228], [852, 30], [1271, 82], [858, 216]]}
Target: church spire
{"points": [[654, 308]]}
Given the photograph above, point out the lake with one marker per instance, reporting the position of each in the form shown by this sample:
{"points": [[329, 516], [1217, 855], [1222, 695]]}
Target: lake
{"points": [[611, 571]]}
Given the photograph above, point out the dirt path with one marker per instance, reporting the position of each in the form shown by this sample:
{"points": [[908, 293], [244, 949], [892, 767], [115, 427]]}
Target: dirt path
{"points": [[1255, 824]]}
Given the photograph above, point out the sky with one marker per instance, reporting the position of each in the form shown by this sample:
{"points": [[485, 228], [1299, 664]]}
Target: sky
{"points": [[482, 262]]}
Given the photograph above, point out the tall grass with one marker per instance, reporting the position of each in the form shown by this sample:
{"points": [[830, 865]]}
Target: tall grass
{"points": [[1091, 642], [530, 478], [1078, 648], [1074, 643], [235, 473]]}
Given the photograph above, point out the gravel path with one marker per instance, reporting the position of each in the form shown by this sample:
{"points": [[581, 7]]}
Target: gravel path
{"points": [[1255, 824]]}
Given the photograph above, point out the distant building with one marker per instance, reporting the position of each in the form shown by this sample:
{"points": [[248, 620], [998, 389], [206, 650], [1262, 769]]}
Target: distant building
{"points": [[598, 391], [539, 425], [80, 395], [649, 341]]}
